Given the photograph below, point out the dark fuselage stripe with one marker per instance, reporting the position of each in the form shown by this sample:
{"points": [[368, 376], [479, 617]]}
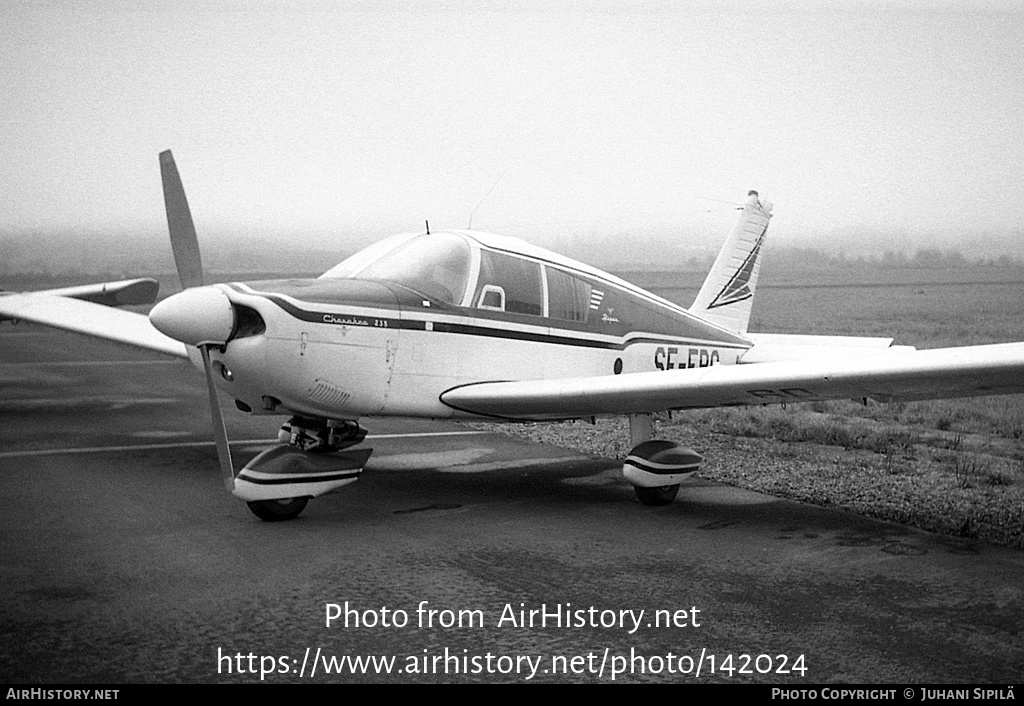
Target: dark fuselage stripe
{"points": [[338, 319]]}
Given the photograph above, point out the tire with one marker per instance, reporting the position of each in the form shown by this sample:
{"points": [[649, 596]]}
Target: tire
{"points": [[278, 510], [655, 497]]}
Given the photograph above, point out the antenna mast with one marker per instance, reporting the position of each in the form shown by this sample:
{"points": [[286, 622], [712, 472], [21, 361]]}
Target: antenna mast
{"points": [[500, 176]]}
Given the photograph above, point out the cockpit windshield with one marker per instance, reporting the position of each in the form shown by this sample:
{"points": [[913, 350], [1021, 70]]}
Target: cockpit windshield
{"points": [[435, 265]]}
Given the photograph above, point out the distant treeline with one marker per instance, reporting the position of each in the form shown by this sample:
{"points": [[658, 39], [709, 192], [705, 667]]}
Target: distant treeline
{"points": [[43, 257], [922, 258], [812, 258]]}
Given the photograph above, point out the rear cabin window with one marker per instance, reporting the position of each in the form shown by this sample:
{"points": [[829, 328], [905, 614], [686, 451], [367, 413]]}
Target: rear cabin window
{"points": [[509, 284], [568, 296]]}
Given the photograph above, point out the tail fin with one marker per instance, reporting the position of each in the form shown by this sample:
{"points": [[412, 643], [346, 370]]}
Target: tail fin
{"points": [[727, 294]]}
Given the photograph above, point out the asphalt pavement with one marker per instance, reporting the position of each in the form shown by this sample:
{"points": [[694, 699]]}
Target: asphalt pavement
{"points": [[460, 555]]}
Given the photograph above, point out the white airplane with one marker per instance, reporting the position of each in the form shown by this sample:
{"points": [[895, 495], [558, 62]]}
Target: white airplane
{"points": [[470, 325]]}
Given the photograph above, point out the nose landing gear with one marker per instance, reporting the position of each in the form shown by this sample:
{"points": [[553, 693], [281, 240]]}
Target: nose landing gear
{"points": [[279, 482], [278, 510], [321, 435]]}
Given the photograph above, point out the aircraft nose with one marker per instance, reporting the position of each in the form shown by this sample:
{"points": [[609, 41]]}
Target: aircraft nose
{"points": [[196, 316]]}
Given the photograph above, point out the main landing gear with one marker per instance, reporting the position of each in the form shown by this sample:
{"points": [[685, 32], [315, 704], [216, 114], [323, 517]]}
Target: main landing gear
{"points": [[309, 462], [656, 467], [655, 497]]}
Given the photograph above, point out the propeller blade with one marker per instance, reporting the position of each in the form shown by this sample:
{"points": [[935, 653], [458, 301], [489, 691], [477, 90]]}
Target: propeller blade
{"points": [[179, 223], [220, 432]]}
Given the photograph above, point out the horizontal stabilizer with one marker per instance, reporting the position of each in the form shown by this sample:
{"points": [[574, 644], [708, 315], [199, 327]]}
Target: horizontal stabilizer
{"points": [[778, 347]]}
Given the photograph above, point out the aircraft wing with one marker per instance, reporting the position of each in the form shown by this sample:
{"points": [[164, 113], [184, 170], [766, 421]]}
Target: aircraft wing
{"points": [[91, 319], [124, 292], [884, 376]]}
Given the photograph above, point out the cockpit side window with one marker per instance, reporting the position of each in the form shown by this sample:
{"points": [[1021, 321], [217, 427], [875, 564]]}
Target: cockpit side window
{"points": [[517, 279], [435, 265], [568, 296]]}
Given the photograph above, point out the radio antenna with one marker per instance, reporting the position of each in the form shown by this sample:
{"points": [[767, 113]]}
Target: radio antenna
{"points": [[500, 176]]}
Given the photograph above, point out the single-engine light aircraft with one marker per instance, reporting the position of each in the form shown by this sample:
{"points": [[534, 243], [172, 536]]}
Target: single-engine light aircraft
{"points": [[469, 325]]}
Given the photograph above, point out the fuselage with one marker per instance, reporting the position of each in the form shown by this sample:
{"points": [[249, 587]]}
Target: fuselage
{"points": [[390, 329]]}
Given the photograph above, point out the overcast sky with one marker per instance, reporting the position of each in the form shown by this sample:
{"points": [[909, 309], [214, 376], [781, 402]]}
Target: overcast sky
{"points": [[341, 117]]}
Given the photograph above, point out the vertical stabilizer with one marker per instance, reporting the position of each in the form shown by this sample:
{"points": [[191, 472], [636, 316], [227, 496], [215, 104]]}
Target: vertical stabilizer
{"points": [[727, 294]]}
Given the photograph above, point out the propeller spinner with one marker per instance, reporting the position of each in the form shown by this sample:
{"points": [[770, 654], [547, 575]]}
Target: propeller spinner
{"points": [[201, 316]]}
